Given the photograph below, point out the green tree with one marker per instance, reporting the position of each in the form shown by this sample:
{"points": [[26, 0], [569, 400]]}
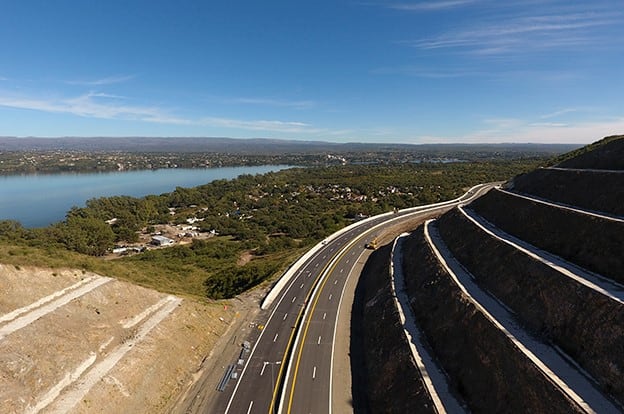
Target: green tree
{"points": [[87, 235]]}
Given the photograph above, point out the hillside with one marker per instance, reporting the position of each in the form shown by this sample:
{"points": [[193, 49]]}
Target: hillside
{"points": [[606, 154], [589, 178], [518, 294], [75, 342]]}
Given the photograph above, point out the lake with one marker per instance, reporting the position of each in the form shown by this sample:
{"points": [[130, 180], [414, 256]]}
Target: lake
{"points": [[39, 200]]}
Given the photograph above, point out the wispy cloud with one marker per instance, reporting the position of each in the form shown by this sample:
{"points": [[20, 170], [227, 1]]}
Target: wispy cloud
{"points": [[517, 130], [502, 123], [505, 34], [101, 81], [106, 106], [105, 95], [561, 112], [91, 105], [422, 72], [430, 5], [261, 125], [273, 102], [548, 124]]}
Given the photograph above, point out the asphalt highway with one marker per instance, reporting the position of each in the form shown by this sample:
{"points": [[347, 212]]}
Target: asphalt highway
{"points": [[288, 367]]}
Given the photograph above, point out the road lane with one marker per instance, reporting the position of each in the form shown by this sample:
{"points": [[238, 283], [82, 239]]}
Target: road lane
{"points": [[254, 391], [281, 328], [304, 392]]}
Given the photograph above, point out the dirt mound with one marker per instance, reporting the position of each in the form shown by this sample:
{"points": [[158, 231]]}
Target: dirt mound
{"points": [[74, 341]]}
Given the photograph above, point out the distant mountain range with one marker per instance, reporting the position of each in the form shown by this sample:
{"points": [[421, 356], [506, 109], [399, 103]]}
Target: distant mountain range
{"points": [[252, 146]]}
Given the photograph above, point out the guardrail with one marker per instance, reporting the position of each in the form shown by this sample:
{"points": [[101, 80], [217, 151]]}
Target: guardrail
{"points": [[292, 270]]}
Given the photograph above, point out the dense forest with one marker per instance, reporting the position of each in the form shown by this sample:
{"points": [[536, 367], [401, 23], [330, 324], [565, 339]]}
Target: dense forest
{"points": [[271, 217]]}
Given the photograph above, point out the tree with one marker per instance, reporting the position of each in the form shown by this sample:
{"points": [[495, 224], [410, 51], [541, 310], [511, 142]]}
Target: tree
{"points": [[87, 235], [12, 230]]}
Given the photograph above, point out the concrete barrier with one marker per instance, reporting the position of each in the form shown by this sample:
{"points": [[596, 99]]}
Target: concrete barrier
{"points": [[294, 268]]}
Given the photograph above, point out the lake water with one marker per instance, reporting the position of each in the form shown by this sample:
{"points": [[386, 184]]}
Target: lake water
{"points": [[39, 200]]}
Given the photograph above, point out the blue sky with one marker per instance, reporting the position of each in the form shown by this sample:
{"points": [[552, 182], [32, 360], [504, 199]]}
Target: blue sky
{"points": [[334, 70]]}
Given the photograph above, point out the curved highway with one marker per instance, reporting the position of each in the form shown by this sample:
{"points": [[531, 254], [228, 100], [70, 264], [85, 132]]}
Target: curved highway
{"points": [[288, 366]]}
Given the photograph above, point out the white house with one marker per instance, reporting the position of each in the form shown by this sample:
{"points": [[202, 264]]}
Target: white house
{"points": [[162, 241]]}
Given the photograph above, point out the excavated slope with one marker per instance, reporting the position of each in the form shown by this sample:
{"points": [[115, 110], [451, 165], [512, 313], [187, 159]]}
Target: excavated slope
{"points": [[488, 372], [588, 241], [588, 326], [606, 154], [599, 191], [584, 321], [379, 352], [76, 342]]}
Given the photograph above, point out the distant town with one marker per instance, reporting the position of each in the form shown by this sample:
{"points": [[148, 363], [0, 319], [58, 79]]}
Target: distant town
{"points": [[58, 155]]}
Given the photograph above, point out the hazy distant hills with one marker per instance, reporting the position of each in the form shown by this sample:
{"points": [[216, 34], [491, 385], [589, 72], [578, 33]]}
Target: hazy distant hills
{"points": [[255, 146]]}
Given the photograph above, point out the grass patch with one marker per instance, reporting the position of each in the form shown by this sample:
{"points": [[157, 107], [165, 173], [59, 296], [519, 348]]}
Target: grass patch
{"points": [[184, 276]]}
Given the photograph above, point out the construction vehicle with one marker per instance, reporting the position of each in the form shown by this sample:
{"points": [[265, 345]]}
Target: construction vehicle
{"points": [[373, 244]]}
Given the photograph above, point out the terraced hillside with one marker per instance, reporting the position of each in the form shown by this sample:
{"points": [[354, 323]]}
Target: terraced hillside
{"points": [[518, 298]]}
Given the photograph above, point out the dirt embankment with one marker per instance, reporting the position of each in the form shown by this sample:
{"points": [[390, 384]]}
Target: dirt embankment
{"points": [[587, 241], [588, 326], [385, 377], [75, 342], [600, 191], [483, 365]]}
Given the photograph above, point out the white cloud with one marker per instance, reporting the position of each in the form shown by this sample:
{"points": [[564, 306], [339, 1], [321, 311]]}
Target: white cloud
{"points": [[261, 125], [105, 95], [105, 106], [580, 133], [273, 102], [430, 5], [421, 72], [548, 124], [538, 132], [504, 34], [559, 113], [102, 81], [502, 123]]}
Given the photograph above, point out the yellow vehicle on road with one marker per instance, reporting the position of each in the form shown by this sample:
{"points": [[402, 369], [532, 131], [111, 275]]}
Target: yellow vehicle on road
{"points": [[373, 244]]}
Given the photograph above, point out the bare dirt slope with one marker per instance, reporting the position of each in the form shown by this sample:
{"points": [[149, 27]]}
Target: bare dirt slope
{"points": [[72, 341]]}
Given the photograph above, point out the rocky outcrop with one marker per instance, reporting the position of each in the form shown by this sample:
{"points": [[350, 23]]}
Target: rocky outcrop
{"points": [[485, 368], [385, 377], [590, 242]]}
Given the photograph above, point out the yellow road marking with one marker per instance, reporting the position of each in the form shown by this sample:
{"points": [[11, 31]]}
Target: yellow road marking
{"points": [[312, 308], [288, 346], [292, 334]]}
